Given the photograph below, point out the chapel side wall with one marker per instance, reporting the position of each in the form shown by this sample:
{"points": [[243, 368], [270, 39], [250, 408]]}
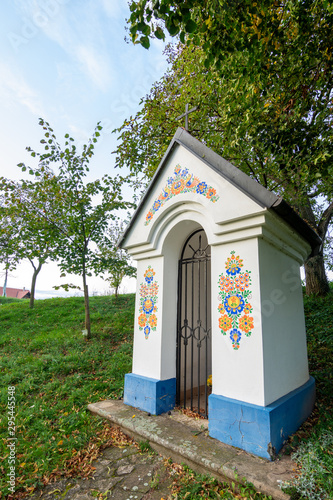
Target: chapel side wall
{"points": [[284, 337], [146, 351], [237, 373]]}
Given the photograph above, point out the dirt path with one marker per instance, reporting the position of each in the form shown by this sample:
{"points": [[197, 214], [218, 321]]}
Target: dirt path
{"points": [[121, 473]]}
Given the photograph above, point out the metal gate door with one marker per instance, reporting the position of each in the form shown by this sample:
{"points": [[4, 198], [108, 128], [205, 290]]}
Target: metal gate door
{"points": [[194, 324]]}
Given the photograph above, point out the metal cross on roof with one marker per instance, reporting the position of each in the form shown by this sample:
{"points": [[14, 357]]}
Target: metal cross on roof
{"points": [[187, 112]]}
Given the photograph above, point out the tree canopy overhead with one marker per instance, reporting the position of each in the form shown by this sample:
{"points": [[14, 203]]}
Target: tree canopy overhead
{"points": [[281, 51], [265, 94], [298, 31], [288, 150]]}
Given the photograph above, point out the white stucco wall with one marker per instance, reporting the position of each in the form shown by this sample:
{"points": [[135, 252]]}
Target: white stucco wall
{"points": [[284, 339]]}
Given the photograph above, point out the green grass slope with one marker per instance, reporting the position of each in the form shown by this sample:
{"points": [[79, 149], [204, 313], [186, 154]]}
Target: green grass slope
{"points": [[55, 373]]}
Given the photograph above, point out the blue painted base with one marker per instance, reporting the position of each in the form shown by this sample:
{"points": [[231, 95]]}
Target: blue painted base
{"points": [[149, 394], [260, 430]]}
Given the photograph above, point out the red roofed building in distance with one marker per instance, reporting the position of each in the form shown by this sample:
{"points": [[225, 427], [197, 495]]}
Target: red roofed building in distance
{"points": [[15, 293]]}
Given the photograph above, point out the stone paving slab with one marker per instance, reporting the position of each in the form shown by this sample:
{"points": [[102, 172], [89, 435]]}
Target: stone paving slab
{"points": [[186, 440], [121, 474]]}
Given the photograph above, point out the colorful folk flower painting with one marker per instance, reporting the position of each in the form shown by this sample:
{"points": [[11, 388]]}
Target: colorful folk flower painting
{"points": [[148, 299], [181, 182], [234, 308]]}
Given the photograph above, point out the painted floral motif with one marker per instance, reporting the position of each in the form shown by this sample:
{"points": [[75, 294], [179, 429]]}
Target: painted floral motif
{"points": [[235, 336], [181, 182], [234, 303], [148, 299], [246, 323], [234, 307], [225, 323], [149, 275]]}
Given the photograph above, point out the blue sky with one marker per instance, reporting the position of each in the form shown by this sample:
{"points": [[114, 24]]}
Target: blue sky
{"points": [[67, 62]]}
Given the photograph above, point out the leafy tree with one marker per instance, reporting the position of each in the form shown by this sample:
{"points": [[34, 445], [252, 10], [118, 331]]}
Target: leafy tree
{"points": [[296, 32], [78, 211], [8, 238], [287, 148], [277, 60], [115, 260], [31, 235]]}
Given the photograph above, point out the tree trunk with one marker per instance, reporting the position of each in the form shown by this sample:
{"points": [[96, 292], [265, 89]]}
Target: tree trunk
{"points": [[86, 308], [315, 276], [4, 294], [33, 283]]}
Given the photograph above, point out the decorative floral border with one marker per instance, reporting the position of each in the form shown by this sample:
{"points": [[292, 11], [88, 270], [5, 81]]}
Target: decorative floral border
{"points": [[234, 294], [148, 299], [181, 182]]}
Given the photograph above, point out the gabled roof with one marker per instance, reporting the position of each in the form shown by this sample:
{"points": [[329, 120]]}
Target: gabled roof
{"points": [[15, 293], [254, 190]]}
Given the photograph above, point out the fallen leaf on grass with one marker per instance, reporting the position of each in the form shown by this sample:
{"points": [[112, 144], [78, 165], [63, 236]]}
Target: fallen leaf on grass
{"points": [[80, 464]]}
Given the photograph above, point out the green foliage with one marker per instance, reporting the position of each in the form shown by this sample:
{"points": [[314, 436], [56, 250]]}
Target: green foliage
{"points": [[8, 237], [262, 78], [294, 33], [314, 452], [144, 446], [319, 328], [75, 211], [193, 486], [288, 149], [115, 260], [28, 234], [315, 479], [8, 300], [281, 52], [56, 374], [279, 149]]}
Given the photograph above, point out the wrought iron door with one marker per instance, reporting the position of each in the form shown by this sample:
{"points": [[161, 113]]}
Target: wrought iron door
{"points": [[194, 324]]}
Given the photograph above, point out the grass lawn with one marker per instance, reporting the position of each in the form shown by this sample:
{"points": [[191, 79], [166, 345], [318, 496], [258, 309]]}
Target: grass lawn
{"points": [[55, 373], [314, 441]]}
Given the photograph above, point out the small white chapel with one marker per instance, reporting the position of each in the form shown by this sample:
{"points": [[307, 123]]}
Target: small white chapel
{"points": [[219, 320]]}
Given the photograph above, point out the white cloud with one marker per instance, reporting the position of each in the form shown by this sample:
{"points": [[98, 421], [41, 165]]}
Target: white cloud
{"points": [[95, 65], [115, 8], [15, 91], [77, 30]]}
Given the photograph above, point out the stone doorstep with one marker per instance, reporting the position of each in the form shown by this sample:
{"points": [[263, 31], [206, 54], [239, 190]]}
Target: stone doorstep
{"points": [[186, 440]]}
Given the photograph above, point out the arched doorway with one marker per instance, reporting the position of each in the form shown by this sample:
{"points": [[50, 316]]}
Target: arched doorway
{"points": [[194, 324]]}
